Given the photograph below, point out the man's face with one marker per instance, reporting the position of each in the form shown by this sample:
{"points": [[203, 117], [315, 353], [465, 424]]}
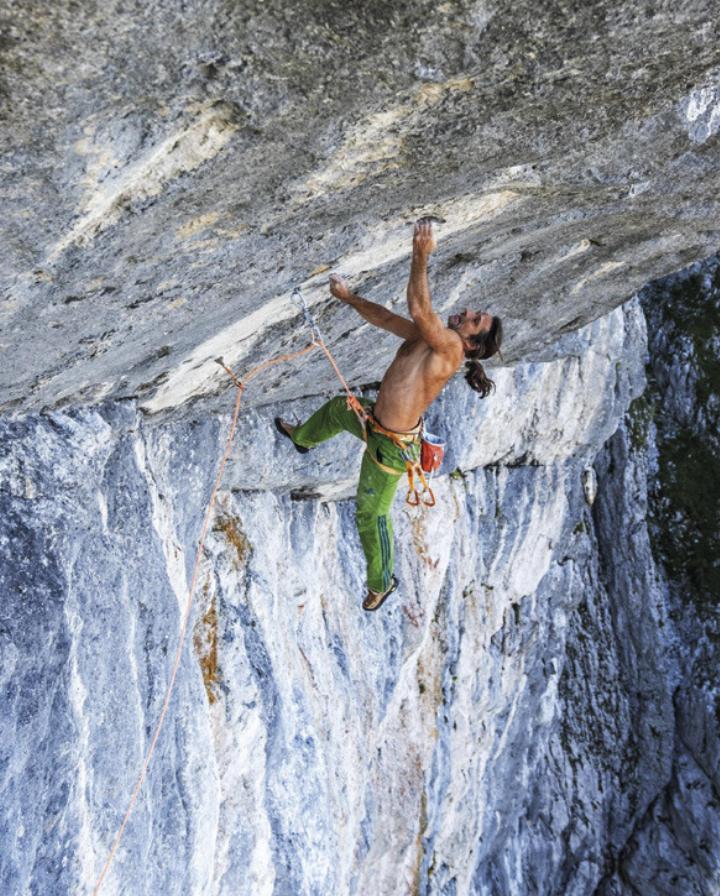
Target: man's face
{"points": [[470, 323]]}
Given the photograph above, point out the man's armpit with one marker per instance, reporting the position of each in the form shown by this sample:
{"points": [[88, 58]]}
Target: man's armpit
{"points": [[439, 337]]}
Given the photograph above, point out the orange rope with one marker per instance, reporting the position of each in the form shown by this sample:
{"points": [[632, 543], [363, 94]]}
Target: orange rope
{"points": [[353, 403], [189, 600], [240, 385], [269, 363]]}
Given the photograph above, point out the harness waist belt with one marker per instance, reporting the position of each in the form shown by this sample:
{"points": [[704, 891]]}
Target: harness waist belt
{"points": [[406, 437]]}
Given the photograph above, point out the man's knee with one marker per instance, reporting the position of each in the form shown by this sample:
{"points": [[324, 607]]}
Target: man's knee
{"points": [[338, 404], [366, 504], [336, 408]]}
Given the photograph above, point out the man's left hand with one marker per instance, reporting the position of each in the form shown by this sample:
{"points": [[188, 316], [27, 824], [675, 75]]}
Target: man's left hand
{"points": [[424, 237]]}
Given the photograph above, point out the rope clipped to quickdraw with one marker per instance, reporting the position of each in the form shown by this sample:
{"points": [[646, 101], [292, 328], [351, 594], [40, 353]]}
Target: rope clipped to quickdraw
{"points": [[310, 321], [352, 401]]}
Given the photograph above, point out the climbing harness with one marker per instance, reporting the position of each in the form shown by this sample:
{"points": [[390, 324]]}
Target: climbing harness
{"points": [[414, 497], [416, 494]]}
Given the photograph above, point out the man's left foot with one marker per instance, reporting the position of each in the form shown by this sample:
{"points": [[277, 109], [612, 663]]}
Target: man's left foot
{"points": [[287, 429], [375, 599]]}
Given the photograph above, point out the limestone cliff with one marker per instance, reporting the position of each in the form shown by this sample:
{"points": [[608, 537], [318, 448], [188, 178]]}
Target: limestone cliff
{"points": [[506, 725], [170, 172], [536, 709]]}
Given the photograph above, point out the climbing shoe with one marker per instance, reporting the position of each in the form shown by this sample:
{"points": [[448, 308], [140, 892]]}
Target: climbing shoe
{"points": [[280, 425], [375, 599]]}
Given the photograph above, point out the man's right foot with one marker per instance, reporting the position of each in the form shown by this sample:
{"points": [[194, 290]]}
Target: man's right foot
{"points": [[375, 599], [287, 429]]}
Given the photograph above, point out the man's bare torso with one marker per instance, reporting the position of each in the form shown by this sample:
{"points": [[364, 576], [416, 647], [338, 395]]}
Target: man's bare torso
{"points": [[412, 382], [431, 352]]}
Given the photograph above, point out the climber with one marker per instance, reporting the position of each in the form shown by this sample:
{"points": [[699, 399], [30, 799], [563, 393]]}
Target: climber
{"points": [[430, 355]]}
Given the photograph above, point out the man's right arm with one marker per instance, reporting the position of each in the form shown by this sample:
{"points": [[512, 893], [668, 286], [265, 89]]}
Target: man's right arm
{"points": [[373, 313], [381, 317]]}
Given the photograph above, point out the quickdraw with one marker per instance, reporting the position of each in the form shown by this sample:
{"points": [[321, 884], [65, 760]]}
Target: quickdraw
{"points": [[414, 497]]}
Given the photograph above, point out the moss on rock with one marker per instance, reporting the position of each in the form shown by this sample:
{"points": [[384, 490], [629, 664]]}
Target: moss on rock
{"points": [[684, 397]]}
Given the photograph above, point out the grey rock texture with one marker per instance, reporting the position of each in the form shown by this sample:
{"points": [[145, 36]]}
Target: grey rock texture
{"points": [[87, 621], [536, 710], [509, 724], [675, 424], [169, 173]]}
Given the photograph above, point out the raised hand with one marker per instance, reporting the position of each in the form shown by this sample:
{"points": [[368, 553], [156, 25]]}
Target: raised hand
{"points": [[423, 237]]}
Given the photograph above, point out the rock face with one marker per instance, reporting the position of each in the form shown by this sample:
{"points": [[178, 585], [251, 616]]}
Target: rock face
{"points": [[536, 709], [169, 174], [675, 425], [526, 715]]}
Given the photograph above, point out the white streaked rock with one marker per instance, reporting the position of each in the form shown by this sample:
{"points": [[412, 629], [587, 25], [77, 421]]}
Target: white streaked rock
{"points": [[473, 736]]}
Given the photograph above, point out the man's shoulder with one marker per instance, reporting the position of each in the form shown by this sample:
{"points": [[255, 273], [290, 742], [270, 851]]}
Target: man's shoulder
{"points": [[452, 347], [449, 340], [447, 360]]}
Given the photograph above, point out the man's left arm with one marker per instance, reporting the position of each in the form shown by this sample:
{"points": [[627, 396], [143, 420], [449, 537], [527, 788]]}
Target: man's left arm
{"points": [[429, 324]]}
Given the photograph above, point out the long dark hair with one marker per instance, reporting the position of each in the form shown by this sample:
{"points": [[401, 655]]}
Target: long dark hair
{"points": [[485, 345]]}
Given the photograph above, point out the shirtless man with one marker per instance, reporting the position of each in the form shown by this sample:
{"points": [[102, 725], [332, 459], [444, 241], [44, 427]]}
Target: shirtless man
{"points": [[429, 356]]}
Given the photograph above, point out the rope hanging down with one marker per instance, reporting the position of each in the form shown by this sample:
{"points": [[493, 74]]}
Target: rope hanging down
{"points": [[364, 418], [185, 616]]}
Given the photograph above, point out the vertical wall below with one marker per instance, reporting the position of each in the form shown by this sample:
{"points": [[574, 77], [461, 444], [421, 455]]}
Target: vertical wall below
{"points": [[503, 726]]}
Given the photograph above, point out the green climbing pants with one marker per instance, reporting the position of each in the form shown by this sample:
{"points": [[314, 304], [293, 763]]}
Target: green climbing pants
{"points": [[376, 488]]}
